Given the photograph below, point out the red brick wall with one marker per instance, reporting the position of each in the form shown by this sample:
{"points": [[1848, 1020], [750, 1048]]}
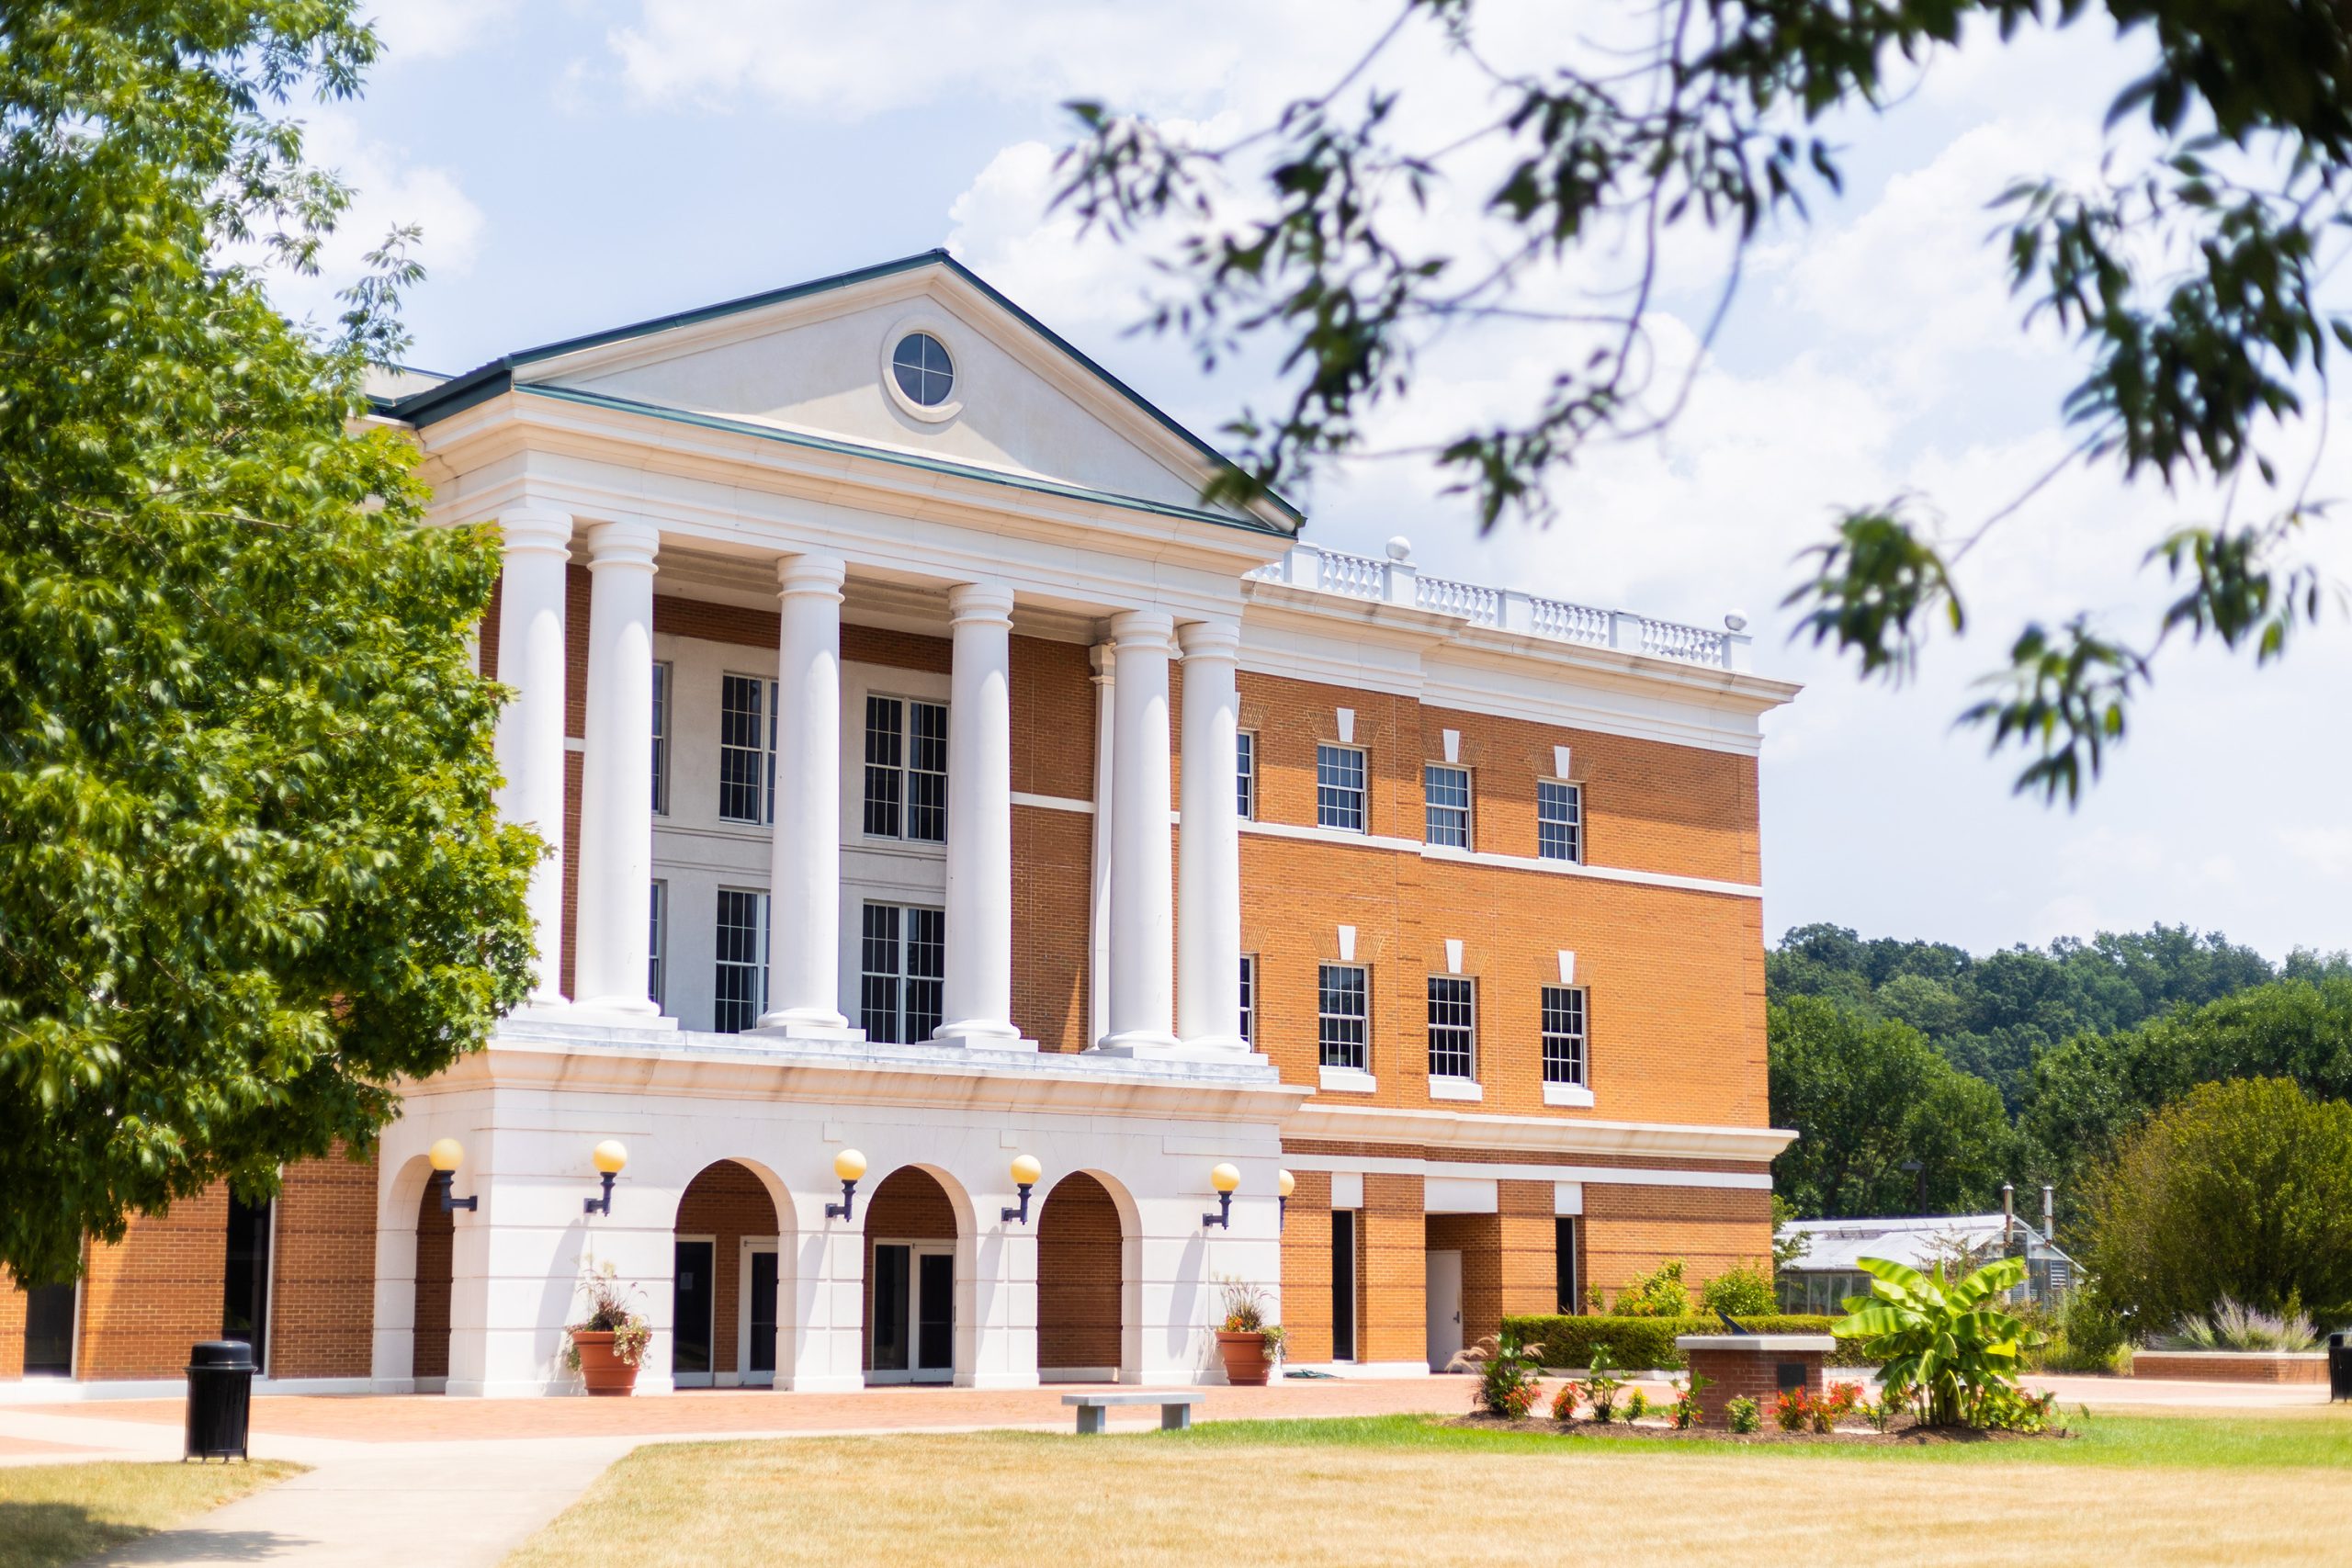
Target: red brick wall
{"points": [[1629, 1231], [12, 1328], [1306, 1270], [434, 1235], [1749, 1374], [1392, 1281], [148, 1298], [909, 1205], [1079, 1299], [323, 1293], [727, 1203]]}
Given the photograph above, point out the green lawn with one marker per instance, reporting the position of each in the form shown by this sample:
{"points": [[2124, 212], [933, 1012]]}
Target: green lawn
{"points": [[2153, 1492], [51, 1514]]}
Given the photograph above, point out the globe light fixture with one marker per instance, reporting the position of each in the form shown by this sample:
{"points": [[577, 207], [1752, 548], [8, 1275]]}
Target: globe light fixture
{"points": [[1285, 1185], [610, 1157], [1026, 1174], [1225, 1178], [848, 1165], [447, 1154]]}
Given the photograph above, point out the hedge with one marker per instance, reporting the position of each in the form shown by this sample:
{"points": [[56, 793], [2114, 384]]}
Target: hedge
{"points": [[1648, 1342]]}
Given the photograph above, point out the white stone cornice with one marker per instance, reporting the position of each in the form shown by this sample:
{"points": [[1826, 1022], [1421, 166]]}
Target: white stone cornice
{"points": [[1439, 1131]]}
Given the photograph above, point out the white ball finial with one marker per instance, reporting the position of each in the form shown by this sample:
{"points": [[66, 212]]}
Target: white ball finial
{"points": [[1736, 621], [1400, 549]]}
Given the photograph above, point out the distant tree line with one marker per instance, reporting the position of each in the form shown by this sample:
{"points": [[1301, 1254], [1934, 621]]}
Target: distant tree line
{"points": [[1921, 1077]]}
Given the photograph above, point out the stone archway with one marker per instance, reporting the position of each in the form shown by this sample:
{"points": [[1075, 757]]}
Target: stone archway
{"points": [[726, 1285], [1081, 1283], [913, 1286]]}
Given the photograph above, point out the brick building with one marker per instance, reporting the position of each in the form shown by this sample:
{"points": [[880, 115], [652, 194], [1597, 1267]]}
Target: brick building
{"points": [[999, 799]]}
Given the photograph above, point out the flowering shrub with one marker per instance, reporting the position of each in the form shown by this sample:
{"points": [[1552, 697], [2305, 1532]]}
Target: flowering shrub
{"points": [[1792, 1411], [1637, 1404], [1507, 1382], [609, 1312], [1840, 1401], [1743, 1415], [1685, 1411], [1880, 1414], [2007, 1407], [1564, 1401]]}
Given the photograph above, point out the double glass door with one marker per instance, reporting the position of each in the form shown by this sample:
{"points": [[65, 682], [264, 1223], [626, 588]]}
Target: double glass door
{"points": [[913, 1327]]}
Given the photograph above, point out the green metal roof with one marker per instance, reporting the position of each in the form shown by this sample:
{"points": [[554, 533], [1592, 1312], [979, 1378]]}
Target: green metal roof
{"points": [[491, 381]]}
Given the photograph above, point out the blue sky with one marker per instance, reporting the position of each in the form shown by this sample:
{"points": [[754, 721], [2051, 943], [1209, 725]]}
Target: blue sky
{"points": [[576, 165]]}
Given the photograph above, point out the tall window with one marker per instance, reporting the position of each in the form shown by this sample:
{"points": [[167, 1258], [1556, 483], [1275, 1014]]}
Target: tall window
{"points": [[903, 966], [1250, 998], [244, 1279], [1454, 1027], [740, 983], [1564, 1264], [1447, 790], [1339, 788], [657, 933], [660, 740], [746, 749], [1245, 775], [906, 770], [1343, 1016], [1564, 1036], [1559, 820]]}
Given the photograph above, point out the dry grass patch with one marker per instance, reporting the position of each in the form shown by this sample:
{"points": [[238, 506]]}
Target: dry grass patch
{"points": [[60, 1513], [1006, 1496]]}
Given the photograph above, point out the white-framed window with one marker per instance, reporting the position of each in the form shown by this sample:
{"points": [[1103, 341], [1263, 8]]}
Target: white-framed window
{"points": [[1245, 773], [1343, 1016], [739, 980], [1454, 1027], [1339, 788], [1559, 820], [906, 770], [746, 748], [1447, 791], [660, 739], [657, 936], [1250, 997], [1564, 1036], [902, 969]]}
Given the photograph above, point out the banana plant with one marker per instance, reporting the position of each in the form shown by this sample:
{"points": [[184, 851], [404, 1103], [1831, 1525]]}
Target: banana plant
{"points": [[1938, 1339]]}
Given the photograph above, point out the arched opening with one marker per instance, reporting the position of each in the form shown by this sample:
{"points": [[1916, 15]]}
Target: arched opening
{"points": [[724, 1294], [911, 1279], [434, 1237], [1082, 1283]]}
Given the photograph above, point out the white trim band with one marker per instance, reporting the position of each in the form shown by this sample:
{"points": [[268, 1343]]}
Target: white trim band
{"points": [[1590, 1175]]}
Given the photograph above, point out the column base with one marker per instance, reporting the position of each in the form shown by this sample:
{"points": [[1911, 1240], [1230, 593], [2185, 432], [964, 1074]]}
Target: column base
{"points": [[793, 1026], [981, 1034], [824, 1382], [1165, 1048], [1135, 1043], [596, 1015]]}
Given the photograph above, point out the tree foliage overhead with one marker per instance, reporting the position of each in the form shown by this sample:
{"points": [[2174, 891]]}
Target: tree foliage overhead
{"points": [[250, 870], [2186, 275]]}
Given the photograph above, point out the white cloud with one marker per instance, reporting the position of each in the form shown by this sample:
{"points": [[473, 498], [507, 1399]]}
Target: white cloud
{"points": [[389, 192], [438, 29]]}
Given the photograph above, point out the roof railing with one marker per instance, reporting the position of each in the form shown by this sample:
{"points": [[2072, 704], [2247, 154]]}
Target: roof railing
{"points": [[1397, 581]]}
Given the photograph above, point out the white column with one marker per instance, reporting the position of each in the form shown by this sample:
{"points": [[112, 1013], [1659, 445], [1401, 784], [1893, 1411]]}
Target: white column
{"points": [[529, 744], [616, 774], [1142, 909], [805, 884], [1105, 660], [977, 995], [1208, 940]]}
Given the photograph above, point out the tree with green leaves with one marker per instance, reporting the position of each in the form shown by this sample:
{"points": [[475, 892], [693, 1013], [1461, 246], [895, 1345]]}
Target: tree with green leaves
{"points": [[2186, 275], [1869, 1096], [2241, 1190], [251, 874]]}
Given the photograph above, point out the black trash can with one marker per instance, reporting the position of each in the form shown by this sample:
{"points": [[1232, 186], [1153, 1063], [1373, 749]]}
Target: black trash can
{"points": [[219, 1398], [2339, 1367]]}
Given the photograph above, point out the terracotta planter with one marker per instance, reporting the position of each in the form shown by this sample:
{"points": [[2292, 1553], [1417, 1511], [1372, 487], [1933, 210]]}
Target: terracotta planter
{"points": [[606, 1374], [1245, 1356]]}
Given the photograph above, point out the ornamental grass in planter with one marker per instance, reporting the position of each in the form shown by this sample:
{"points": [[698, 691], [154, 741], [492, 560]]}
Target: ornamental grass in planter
{"points": [[607, 1346], [1248, 1344]]}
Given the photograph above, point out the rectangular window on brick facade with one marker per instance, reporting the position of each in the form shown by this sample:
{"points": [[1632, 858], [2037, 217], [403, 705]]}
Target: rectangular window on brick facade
{"points": [[1559, 820], [1564, 1263], [1564, 1036], [739, 987], [244, 1277], [1339, 788], [906, 770], [48, 1330], [1343, 1016], [1447, 793], [1343, 1284], [903, 968], [660, 739], [1245, 776], [1250, 998], [746, 749], [657, 933], [1454, 1027]]}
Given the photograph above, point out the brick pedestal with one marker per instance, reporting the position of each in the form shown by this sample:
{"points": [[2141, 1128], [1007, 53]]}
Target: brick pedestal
{"points": [[1754, 1366]]}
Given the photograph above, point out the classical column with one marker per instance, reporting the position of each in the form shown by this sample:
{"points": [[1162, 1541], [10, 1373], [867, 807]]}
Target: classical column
{"points": [[977, 997], [1105, 660], [1208, 940], [1142, 907], [529, 743], [805, 884], [616, 773]]}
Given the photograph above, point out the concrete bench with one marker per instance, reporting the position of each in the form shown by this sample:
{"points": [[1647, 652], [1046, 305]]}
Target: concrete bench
{"points": [[1175, 1408]]}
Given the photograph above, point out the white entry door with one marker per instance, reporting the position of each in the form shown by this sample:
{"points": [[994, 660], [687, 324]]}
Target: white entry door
{"points": [[1444, 1307], [911, 1338]]}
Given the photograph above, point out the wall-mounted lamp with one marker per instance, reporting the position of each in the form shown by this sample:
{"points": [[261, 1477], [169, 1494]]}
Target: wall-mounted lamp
{"points": [[1225, 1178], [610, 1157], [1025, 1172], [849, 1165], [1285, 1185], [447, 1155]]}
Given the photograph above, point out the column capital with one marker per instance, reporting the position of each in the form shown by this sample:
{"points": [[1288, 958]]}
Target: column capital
{"points": [[628, 541], [1104, 659], [534, 530], [1210, 639], [811, 574], [979, 601], [1152, 630]]}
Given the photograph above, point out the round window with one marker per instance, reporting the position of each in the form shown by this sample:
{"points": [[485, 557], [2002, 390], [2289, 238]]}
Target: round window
{"points": [[925, 373]]}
